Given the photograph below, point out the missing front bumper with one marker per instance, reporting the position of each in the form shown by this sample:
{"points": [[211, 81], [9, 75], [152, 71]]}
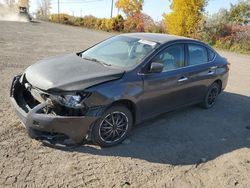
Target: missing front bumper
{"points": [[51, 129]]}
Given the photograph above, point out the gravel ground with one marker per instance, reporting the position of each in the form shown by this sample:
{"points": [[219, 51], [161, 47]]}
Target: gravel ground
{"points": [[191, 147]]}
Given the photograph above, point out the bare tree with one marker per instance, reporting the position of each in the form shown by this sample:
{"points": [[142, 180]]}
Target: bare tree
{"points": [[44, 8], [10, 3]]}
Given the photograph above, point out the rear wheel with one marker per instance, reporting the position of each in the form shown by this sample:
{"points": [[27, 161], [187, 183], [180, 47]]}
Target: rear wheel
{"points": [[211, 96], [113, 127]]}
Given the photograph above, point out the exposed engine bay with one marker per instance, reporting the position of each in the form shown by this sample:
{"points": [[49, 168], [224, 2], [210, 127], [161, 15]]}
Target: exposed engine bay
{"points": [[34, 96]]}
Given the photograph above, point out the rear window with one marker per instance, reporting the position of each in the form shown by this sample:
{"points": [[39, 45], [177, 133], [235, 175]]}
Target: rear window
{"points": [[197, 54], [211, 55]]}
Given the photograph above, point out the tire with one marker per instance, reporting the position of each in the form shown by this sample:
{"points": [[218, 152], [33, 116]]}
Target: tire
{"points": [[113, 127], [211, 96]]}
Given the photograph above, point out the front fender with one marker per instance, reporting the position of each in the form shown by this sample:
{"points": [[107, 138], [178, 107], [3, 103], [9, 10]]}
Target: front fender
{"points": [[128, 88]]}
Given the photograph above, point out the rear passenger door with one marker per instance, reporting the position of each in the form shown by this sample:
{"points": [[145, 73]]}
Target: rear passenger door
{"points": [[200, 70]]}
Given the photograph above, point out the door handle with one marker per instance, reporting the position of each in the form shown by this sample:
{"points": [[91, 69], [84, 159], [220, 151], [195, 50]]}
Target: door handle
{"points": [[210, 72], [183, 79]]}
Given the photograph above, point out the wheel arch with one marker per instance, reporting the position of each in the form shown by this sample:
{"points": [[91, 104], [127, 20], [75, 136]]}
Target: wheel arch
{"points": [[219, 82], [129, 104]]}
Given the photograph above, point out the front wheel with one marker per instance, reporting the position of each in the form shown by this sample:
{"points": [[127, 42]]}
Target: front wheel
{"points": [[113, 127], [211, 96]]}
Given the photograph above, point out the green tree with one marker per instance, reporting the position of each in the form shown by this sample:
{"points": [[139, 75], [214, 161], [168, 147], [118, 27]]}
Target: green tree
{"points": [[214, 27], [225, 22], [240, 13], [185, 17]]}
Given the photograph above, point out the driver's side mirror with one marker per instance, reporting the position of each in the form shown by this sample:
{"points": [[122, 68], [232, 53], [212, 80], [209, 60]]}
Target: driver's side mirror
{"points": [[156, 67]]}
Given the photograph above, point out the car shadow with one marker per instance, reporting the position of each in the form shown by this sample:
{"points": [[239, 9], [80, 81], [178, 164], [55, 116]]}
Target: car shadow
{"points": [[35, 21], [188, 136]]}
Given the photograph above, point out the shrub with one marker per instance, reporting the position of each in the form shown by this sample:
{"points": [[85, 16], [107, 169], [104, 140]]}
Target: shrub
{"points": [[237, 41], [138, 23], [118, 23], [64, 18], [155, 27]]}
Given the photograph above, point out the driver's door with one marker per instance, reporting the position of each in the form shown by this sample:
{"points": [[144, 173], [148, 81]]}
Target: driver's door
{"points": [[166, 90]]}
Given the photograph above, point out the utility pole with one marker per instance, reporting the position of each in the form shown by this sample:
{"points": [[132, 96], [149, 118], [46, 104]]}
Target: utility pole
{"points": [[112, 5], [58, 9]]}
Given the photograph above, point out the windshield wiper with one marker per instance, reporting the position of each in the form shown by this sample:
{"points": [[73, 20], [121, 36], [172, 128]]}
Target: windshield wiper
{"points": [[96, 60]]}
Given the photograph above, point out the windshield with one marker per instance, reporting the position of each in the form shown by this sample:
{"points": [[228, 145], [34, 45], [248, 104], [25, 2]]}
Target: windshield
{"points": [[121, 51]]}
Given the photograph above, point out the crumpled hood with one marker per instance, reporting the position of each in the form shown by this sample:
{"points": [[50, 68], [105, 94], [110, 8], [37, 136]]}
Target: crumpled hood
{"points": [[69, 73]]}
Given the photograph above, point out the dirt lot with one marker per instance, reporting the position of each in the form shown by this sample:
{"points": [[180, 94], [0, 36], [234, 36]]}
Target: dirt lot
{"points": [[191, 147]]}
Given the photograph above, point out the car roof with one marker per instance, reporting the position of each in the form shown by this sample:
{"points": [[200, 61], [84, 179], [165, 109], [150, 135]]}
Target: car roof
{"points": [[157, 37]]}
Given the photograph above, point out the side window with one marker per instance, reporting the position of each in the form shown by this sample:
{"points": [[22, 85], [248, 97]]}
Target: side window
{"points": [[197, 54], [172, 57]]}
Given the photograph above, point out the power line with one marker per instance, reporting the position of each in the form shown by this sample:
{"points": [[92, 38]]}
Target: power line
{"points": [[80, 2]]}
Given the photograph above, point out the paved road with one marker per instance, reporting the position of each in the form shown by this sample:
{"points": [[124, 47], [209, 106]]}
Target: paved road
{"points": [[191, 147]]}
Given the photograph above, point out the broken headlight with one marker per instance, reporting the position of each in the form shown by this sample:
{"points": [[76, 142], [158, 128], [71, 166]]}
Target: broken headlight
{"points": [[71, 101]]}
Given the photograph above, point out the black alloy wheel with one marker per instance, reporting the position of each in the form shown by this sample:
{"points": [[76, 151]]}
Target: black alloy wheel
{"points": [[113, 127], [211, 96]]}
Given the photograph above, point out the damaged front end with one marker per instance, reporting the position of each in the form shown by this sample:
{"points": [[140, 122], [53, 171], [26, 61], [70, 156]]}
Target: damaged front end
{"points": [[55, 119]]}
